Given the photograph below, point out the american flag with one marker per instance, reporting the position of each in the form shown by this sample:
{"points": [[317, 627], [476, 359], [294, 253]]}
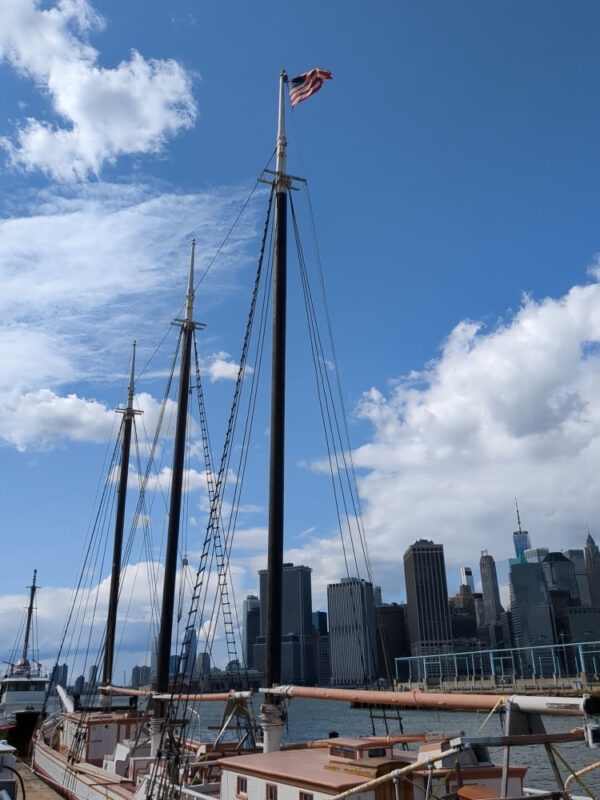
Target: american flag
{"points": [[306, 84]]}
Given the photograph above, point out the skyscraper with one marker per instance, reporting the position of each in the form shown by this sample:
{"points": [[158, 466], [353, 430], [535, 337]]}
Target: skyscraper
{"points": [[577, 557], [427, 599], [466, 578], [251, 622], [351, 612], [296, 619], [530, 605], [592, 568], [535, 555], [489, 584], [188, 655]]}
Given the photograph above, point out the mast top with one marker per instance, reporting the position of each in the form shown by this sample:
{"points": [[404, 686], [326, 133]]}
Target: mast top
{"points": [[280, 181], [189, 298]]}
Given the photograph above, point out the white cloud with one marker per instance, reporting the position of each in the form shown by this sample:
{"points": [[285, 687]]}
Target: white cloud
{"points": [[220, 367], [84, 273], [131, 108], [512, 411]]}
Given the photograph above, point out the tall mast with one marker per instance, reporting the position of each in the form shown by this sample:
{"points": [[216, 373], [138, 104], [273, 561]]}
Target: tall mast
{"points": [[32, 589], [276, 473], [111, 623], [166, 620]]}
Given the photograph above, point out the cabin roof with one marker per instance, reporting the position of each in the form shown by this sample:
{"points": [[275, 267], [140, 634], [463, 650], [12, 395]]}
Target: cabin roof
{"points": [[297, 767]]}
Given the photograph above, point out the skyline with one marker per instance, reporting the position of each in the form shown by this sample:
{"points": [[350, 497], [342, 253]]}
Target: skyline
{"points": [[456, 195]]}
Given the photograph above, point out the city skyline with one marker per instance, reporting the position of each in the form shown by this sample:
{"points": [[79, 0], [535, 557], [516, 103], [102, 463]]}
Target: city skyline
{"points": [[459, 255]]}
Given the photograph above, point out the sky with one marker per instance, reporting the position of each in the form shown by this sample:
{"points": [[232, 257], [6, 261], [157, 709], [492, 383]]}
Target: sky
{"points": [[454, 177]]}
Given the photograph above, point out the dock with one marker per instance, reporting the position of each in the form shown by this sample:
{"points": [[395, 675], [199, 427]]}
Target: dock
{"points": [[35, 788]]}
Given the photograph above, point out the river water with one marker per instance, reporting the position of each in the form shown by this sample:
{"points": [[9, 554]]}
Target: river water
{"points": [[315, 719]]}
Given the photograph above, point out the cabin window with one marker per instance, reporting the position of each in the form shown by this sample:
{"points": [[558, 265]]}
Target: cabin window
{"points": [[305, 796], [271, 793], [344, 752], [242, 787], [377, 752]]}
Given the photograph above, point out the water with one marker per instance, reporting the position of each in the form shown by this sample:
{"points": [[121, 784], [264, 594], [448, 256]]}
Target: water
{"points": [[315, 719]]}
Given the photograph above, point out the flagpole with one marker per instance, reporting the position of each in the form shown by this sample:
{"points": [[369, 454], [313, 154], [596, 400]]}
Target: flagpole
{"points": [[272, 716]]}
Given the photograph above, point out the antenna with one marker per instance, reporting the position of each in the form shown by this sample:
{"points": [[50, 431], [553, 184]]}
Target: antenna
{"points": [[518, 517]]}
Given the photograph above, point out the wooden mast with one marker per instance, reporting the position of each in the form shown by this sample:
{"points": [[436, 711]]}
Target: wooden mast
{"points": [[166, 620], [32, 589], [111, 622], [277, 456]]}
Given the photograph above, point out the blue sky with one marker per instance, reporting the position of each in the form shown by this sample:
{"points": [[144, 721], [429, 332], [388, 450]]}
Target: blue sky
{"points": [[454, 174]]}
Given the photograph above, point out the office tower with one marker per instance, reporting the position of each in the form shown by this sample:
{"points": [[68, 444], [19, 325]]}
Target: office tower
{"points": [[530, 606], [535, 555], [140, 676], [577, 557], [251, 623], [466, 578], [92, 678], [592, 568], [392, 638], [188, 655], [351, 612], [296, 619], [322, 660], [79, 686], [202, 665], [319, 621], [463, 620], [427, 599], [492, 607], [559, 574]]}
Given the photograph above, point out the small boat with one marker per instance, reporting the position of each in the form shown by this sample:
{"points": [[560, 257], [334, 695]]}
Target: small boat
{"points": [[132, 755], [23, 688]]}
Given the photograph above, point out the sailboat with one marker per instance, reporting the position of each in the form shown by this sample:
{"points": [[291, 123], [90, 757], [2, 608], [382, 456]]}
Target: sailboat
{"points": [[122, 755], [23, 687]]}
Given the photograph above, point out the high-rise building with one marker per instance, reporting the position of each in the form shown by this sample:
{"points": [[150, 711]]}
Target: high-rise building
{"points": [[492, 606], [522, 542], [140, 676], [577, 557], [92, 678], [251, 623], [322, 660], [530, 606], [188, 655], [592, 568], [202, 665], [427, 599], [392, 638], [296, 619], [559, 574], [351, 612], [535, 555], [466, 578]]}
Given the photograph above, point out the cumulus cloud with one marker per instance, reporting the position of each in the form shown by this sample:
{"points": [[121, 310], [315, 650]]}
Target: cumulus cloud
{"points": [[105, 112], [221, 367], [84, 273], [503, 412]]}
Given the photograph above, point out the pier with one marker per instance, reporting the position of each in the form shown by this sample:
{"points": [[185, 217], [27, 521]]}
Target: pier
{"points": [[35, 788]]}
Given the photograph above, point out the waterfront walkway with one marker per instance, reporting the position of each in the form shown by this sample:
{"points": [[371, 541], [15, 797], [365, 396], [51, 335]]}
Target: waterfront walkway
{"points": [[35, 788]]}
